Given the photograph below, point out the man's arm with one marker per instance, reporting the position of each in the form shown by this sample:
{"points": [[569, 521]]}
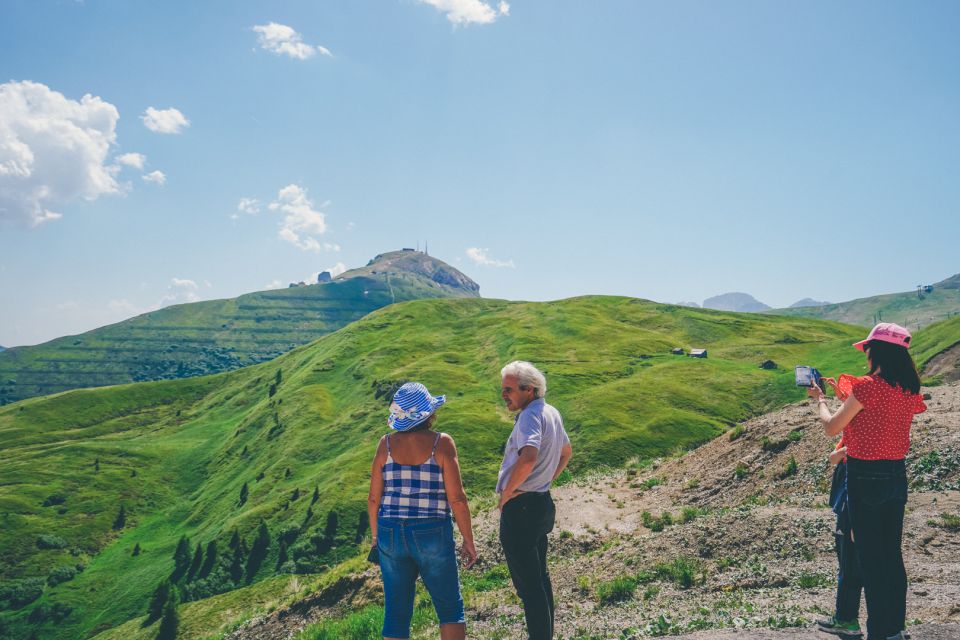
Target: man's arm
{"points": [[520, 472], [565, 454]]}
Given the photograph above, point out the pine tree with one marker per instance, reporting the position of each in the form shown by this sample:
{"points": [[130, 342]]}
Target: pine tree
{"points": [[136, 549], [196, 563], [316, 495], [171, 619], [121, 518], [181, 559], [282, 554], [244, 492], [236, 563], [362, 526], [159, 598], [330, 532], [279, 377], [209, 559], [296, 494], [234, 540], [308, 517], [96, 464], [272, 392], [258, 551]]}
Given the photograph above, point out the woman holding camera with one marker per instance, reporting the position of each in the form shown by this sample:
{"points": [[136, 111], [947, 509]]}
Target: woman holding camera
{"points": [[414, 485], [875, 421]]}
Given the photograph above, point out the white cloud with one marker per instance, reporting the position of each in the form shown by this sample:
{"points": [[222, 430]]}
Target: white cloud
{"points": [[179, 291], [276, 284], [482, 258], [283, 40], [164, 120], [463, 12], [52, 151], [335, 270], [125, 308], [301, 222], [156, 177], [135, 160], [250, 206]]}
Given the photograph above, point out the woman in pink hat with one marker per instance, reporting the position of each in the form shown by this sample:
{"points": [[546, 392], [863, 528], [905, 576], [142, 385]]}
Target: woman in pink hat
{"points": [[875, 422]]}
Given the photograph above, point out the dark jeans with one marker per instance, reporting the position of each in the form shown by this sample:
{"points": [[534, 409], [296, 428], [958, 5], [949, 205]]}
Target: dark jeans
{"points": [[849, 581], [524, 524], [877, 494]]}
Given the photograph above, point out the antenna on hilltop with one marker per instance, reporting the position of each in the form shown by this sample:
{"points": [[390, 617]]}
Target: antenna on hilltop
{"points": [[418, 245], [426, 247]]}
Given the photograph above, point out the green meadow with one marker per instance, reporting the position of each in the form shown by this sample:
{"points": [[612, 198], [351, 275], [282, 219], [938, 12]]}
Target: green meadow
{"points": [[299, 431]]}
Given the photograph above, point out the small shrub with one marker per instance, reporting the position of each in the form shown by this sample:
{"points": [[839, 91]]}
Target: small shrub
{"points": [[650, 483], [795, 436], [736, 432], [583, 584], [48, 541], [54, 499], [812, 580], [790, 469], [741, 471], [950, 522], [773, 446], [651, 591], [688, 514], [616, 590], [61, 574]]}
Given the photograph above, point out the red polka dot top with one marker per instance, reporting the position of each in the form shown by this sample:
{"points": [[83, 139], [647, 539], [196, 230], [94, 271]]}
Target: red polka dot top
{"points": [[881, 431]]}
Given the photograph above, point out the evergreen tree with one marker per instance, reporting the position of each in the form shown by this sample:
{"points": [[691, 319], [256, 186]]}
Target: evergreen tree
{"points": [[196, 563], [362, 526], [308, 517], [236, 564], [136, 549], [133, 473], [330, 531], [258, 551], [209, 559], [234, 540], [181, 559], [96, 464], [159, 598], [121, 519], [282, 554], [244, 492], [316, 495], [296, 494], [272, 392], [171, 619], [279, 377]]}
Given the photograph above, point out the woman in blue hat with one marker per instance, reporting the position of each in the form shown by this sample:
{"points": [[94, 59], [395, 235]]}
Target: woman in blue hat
{"points": [[414, 485]]}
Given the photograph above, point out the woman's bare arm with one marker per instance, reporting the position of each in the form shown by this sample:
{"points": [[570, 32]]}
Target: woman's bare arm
{"points": [[376, 486], [456, 496]]}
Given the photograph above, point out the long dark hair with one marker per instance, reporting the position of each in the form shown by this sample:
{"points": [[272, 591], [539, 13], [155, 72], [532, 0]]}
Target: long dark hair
{"points": [[895, 365]]}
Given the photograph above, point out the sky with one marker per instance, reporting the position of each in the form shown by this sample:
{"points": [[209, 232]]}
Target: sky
{"points": [[157, 153]]}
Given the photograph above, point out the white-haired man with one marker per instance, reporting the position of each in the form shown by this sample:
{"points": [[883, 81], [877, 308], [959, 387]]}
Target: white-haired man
{"points": [[537, 452]]}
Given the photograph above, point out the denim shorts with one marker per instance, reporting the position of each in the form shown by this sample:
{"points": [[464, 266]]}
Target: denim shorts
{"points": [[424, 547]]}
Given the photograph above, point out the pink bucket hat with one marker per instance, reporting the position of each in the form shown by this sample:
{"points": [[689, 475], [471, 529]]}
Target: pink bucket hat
{"points": [[887, 332]]}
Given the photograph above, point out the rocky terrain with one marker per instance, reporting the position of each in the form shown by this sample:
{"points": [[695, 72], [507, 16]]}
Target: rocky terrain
{"points": [[746, 550]]}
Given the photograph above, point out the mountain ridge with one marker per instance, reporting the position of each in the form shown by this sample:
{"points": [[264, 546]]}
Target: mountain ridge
{"points": [[208, 337]]}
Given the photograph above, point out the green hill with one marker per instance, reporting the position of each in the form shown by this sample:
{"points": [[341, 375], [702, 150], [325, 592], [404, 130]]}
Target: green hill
{"points": [[299, 431], [220, 335], [907, 309]]}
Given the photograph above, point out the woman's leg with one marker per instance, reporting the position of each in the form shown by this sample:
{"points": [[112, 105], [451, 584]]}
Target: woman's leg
{"points": [[436, 556], [399, 583]]}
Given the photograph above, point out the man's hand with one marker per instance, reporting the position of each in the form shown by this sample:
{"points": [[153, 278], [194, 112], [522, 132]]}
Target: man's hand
{"points": [[507, 497]]}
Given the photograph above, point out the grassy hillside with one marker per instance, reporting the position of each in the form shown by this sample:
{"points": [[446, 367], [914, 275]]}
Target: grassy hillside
{"points": [[907, 309], [220, 335], [177, 454]]}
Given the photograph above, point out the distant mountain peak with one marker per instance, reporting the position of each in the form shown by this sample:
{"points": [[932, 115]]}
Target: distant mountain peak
{"points": [[734, 301], [809, 302], [410, 261], [953, 282]]}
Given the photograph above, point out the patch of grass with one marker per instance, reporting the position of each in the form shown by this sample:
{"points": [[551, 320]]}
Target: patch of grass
{"points": [[650, 483], [736, 432], [494, 578], [795, 436], [951, 522], [812, 580], [741, 471], [790, 469], [616, 590], [683, 571]]}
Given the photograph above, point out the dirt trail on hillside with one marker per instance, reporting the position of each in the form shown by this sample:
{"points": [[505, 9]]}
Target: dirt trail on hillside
{"points": [[945, 364], [757, 542]]}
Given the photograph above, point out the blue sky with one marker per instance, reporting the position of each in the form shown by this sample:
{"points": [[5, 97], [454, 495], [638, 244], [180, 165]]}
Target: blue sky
{"points": [[671, 151]]}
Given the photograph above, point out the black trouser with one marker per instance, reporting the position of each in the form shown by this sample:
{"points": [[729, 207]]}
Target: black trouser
{"points": [[877, 493], [524, 524], [849, 582]]}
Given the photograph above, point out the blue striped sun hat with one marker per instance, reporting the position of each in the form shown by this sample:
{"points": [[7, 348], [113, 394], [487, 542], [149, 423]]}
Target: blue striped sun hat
{"points": [[412, 404]]}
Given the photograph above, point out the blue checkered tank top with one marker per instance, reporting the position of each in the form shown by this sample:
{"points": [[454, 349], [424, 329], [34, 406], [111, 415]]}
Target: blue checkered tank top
{"points": [[413, 490]]}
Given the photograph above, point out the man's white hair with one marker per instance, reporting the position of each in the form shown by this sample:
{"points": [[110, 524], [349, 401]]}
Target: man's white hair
{"points": [[527, 375]]}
